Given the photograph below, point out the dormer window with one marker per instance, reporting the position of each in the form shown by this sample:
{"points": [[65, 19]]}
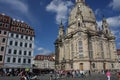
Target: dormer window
{"points": [[22, 29], [18, 29]]}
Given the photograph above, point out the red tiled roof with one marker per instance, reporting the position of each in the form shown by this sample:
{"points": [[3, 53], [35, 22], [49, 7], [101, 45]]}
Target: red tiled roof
{"points": [[44, 57]]}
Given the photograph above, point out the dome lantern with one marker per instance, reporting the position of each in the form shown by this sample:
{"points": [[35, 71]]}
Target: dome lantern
{"points": [[80, 1]]}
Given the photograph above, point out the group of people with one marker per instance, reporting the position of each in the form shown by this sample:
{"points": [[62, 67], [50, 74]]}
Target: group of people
{"points": [[27, 75], [71, 73], [108, 74], [23, 74], [77, 73]]}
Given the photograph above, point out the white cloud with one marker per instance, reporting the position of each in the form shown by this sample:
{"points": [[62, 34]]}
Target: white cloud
{"points": [[39, 49], [112, 21], [43, 51], [99, 23], [97, 12], [17, 5], [61, 8], [115, 4]]}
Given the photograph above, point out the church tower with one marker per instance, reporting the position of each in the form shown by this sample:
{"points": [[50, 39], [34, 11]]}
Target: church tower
{"points": [[105, 27], [61, 31]]}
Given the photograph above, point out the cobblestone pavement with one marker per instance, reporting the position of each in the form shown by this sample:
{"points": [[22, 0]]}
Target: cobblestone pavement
{"points": [[47, 77]]}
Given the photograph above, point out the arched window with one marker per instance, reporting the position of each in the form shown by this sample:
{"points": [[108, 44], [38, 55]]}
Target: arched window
{"points": [[106, 31], [80, 49], [78, 24], [112, 65], [93, 65]]}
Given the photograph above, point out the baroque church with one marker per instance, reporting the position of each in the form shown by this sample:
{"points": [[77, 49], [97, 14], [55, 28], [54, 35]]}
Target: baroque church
{"points": [[82, 46]]}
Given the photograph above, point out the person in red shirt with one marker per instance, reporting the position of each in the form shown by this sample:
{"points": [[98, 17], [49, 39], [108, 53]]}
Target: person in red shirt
{"points": [[108, 74]]}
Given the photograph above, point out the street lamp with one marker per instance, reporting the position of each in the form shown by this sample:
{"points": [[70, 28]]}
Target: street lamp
{"points": [[63, 63], [71, 63]]}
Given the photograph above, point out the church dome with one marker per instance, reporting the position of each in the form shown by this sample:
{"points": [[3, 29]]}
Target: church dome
{"points": [[84, 10]]}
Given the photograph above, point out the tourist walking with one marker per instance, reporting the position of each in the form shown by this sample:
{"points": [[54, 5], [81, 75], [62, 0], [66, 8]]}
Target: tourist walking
{"points": [[108, 74]]}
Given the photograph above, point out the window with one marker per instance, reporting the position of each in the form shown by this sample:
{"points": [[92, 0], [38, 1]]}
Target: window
{"points": [[0, 32], [1, 57], [112, 65], [80, 49], [29, 60], [26, 30], [11, 42], [20, 52], [30, 45], [8, 59], [26, 37], [25, 52], [78, 24], [24, 60], [0, 24], [7, 25], [25, 44], [93, 65], [17, 35], [5, 32], [16, 43], [21, 44], [29, 53], [14, 60], [18, 29], [21, 36], [19, 60], [90, 47], [9, 51], [31, 38], [15, 51], [23, 29], [3, 40], [2, 48], [12, 34]]}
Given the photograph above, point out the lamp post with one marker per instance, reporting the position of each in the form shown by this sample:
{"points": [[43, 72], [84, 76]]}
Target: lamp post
{"points": [[63, 64], [71, 63]]}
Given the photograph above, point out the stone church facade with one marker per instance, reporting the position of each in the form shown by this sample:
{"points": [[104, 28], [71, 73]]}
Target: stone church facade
{"points": [[83, 46]]}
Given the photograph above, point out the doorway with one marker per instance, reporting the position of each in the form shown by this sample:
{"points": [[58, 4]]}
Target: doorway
{"points": [[81, 66]]}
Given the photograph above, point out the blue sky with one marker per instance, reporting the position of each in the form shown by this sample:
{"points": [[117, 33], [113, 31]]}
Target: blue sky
{"points": [[45, 16]]}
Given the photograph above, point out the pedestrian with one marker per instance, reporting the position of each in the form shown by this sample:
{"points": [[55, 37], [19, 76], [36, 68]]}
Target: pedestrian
{"points": [[118, 75], [108, 74], [89, 73], [23, 77], [51, 77]]}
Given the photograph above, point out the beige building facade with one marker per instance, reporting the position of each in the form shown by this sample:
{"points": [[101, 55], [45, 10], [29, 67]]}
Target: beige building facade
{"points": [[44, 62], [82, 46]]}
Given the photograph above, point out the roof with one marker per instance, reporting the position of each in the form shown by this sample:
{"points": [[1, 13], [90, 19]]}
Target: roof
{"points": [[44, 57]]}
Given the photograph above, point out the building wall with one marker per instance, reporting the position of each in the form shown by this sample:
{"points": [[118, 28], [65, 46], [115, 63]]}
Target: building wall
{"points": [[4, 27], [44, 62], [84, 46], [16, 43], [19, 49], [3, 41]]}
